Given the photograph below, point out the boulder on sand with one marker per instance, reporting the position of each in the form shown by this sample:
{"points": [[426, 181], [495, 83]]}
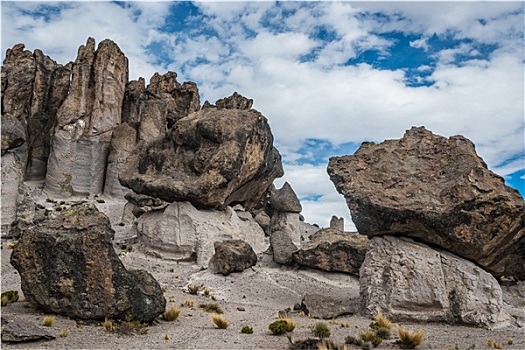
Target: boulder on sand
{"points": [[436, 190], [232, 256], [68, 266]]}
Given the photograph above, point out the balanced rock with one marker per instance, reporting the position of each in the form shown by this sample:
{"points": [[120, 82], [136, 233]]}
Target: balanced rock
{"points": [[211, 158], [86, 119], [407, 280], [232, 256], [284, 199], [332, 250], [68, 266], [436, 190]]}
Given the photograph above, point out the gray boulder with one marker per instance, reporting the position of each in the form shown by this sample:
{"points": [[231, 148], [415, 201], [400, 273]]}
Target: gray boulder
{"points": [[332, 250], [232, 256], [325, 307], [411, 281], [15, 330], [284, 199], [282, 247], [68, 266]]}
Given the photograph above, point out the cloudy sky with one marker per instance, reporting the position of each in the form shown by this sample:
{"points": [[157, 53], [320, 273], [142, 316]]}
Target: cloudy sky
{"points": [[327, 75]]}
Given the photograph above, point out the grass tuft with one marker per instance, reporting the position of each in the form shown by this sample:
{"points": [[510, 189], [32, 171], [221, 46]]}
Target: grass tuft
{"points": [[108, 325], [409, 339], [48, 321], [195, 288], [189, 302], [65, 333], [327, 344], [246, 330], [278, 327], [382, 321], [211, 307], [321, 330], [368, 336], [290, 324], [171, 314], [166, 336], [353, 341], [220, 321]]}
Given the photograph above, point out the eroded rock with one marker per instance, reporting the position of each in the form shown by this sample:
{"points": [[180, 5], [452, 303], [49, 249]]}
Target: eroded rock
{"points": [[325, 307], [15, 330], [282, 247], [285, 199], [232, 256], [436, 190]]}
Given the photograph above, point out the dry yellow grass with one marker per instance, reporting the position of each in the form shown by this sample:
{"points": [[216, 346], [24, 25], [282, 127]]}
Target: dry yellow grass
{"points": [[108, 325], [382, 321], [220, 321], [171, 314], [409, 339], [48, 321], [65, 333], [291, 324], [189, 302]]}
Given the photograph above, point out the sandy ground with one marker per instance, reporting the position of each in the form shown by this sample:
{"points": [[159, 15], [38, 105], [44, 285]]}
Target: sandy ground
{"points": [[260, 291]]}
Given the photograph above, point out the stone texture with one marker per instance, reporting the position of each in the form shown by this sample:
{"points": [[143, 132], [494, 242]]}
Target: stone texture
{"points": [[68, 266], [212, 158], [411, 281], [17, 331], [235, 101], [325, 307], [182, 232], [337, 223], [86, 119], [13, 133], [123, 142], [284, 199], [12, 177], [282, 247], [332, 250], [232, 256], [439, 191], [289, 223]]}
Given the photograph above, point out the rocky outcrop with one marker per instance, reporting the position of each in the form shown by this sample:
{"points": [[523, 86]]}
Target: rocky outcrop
{"points": [[436, 190], [123, 142], [332, 250], [182, 232], [325, 307], [232, 256], [411, 281], [86, 119], [212, 158], [15, 330], [337, 223], [68, 266], [284, 199]]}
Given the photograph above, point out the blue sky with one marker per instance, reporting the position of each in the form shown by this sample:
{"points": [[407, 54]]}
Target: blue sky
{"points": [[327, 75]]}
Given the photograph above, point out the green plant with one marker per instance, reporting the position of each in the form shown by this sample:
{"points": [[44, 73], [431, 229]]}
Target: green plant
{"points": [[353, 341], [9, 296], [382, 321], [220, 321], [383, 333], [246, 330], [194, 288], [207, 291], [211, 307], [377, 340], [365, 346], [171, 314], [166, 336], [290, 324], [368, 336], [278, 327], [409, 339], [65, 333], [321, 330], [48, 321]]}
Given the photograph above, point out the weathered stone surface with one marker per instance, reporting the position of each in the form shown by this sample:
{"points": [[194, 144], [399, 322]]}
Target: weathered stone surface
{"points": [[86, 119], [123, 142], [282, 247], [232, 256], [332, 250], [15, 330], [212, 158], [68, 266], [180, 231], [439, 191], [411, 281], [325, 307], [12, 177], [337, 223], [235, 101], [289, 223], [284, 199], [13, 133]]}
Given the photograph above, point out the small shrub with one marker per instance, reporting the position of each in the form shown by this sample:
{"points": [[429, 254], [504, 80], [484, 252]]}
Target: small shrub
{"points": [[409, 339], [246, 330], [365, 346], [166, 336], [290, 324], [171, 314], [213, 298], [382, 321], [321, 330], [207, 291], [368, 336], [108, 325], [377, 340], [189, 302], [211, 307], [383, 333], [489, 342], [5, 300], [194, 288], [220, 321], [48, 321], [278, 327], [9, 296], [65, 333], [498, 346], [353, 341]]}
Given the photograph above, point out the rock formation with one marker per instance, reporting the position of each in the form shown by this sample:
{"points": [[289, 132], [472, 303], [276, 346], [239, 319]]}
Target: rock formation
{"points": [[282, 247], [411, 281], [68, 266], [16, 330], [332, 250], [436, 190], [321, 306], [232, 256], [337, 223], [284, 199]]}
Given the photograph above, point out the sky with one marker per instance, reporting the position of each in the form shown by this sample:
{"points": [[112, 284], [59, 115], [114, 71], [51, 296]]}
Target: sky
{"points": [[327, 75]]}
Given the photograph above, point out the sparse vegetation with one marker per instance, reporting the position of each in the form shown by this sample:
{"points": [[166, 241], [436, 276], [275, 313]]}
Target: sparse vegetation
{"points": [[327, 344], [9, 296], [166, 336], [382, 321], [108, 325], [195, 288], [489, 342], [171, 314], [368, 336], [510, 341], [65, 333], [290, 324], [321, 330], [409, 339], [246, 330], [383, 333], [211, 307], [220, 321], [125, 327], [498, 346], [207, 291], [48, 321], [353, 341], [278, 327], [189, 302]]}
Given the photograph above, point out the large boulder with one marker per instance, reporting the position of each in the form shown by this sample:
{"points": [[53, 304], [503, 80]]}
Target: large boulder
{"points": [[182, 232], [68, 266], [284, 199], [211, 158], [436, 190], [282, 247], [332, 250], [86, 119], [328, 308], [232, 256], [407, 280]]}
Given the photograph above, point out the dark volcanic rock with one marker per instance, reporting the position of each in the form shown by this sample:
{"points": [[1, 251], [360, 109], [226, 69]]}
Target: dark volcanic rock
{"points": [[212, 158], [13, 133], [18, 331], [332, 250], [68, 266], [285, 199], [436, 190], [232, 256]]}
